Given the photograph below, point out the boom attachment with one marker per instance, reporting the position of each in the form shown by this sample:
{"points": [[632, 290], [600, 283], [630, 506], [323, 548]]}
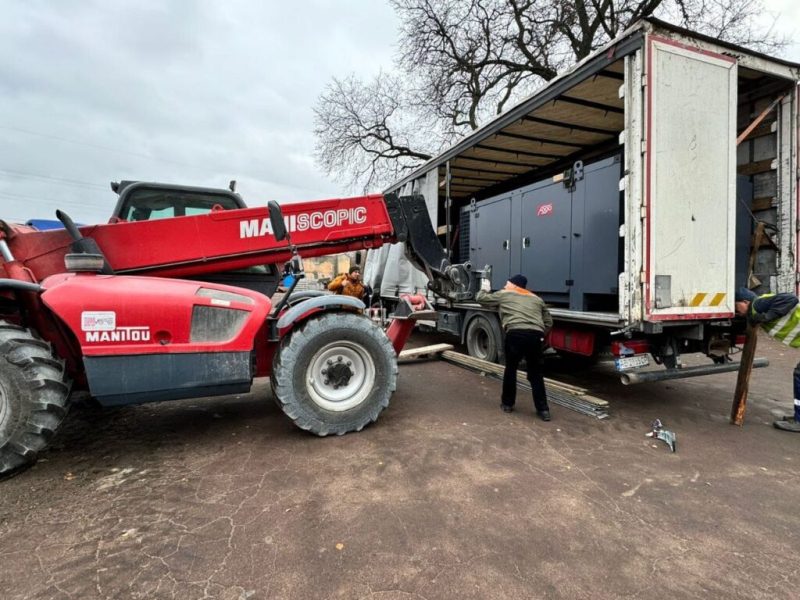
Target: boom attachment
{"points": [[412, 225]]}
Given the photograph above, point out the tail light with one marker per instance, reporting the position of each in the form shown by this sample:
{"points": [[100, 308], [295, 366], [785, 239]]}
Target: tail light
{"points": [[629, 347]]}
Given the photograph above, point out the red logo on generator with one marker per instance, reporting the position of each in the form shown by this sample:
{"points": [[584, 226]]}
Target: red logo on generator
{"points": [[544, 210]]}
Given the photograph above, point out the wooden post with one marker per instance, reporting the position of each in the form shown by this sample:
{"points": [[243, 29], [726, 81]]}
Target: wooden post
{"points": [[743, 381]]}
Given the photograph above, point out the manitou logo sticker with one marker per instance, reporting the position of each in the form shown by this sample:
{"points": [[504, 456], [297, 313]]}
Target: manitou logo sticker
{"points": [[101, 326], [320, 219], [544, 210]]}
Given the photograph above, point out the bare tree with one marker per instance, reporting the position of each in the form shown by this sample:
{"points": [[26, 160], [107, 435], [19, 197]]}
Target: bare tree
{"points": [[364, 132], [462, 62]]}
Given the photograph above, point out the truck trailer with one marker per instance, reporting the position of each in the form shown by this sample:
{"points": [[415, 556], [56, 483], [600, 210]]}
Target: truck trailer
{"points": [[629, 191]]}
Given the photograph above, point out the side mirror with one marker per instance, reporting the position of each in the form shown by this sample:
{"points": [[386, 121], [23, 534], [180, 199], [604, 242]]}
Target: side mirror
{"points": [[276, 220], [359, 258]]}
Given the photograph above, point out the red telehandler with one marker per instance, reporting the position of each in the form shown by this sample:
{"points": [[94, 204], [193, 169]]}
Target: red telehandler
{"points": [[122, 311]]}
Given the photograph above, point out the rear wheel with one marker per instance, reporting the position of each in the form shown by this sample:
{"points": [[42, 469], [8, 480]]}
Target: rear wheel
{"points": [[33, 396], [483, 339], [334, 374]]}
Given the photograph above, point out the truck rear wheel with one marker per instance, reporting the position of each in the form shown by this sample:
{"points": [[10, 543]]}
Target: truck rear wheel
{"points": [[33, 397], [483, 338], [335, 374]]}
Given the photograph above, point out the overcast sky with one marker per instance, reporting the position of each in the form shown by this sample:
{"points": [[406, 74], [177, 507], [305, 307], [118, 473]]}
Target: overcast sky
{"points": [[185, 92]]}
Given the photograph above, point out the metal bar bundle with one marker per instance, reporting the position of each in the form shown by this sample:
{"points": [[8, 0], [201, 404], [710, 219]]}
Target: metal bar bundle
{"points": [[566, 395]]}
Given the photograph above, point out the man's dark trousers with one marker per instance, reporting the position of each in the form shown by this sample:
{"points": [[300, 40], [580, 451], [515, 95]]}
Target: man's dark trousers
{"points": [[527, 344]]}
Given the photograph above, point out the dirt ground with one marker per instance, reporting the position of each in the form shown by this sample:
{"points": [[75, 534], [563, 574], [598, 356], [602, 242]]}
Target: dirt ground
{"points": [[444, 497]]}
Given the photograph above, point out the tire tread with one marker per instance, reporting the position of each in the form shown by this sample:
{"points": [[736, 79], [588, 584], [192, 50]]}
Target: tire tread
{"points": [[46, 389], [286, 358]]}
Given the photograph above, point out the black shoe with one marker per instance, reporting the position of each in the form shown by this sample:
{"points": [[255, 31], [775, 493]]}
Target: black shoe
{"points": [[506, 408], [788, 425], [544, 415]]}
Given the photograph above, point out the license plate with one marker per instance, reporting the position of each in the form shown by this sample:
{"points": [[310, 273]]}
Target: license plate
{"points": [[632, 362]]}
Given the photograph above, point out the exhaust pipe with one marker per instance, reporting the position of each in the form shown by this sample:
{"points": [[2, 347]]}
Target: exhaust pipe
{"points": [[648, 376]]}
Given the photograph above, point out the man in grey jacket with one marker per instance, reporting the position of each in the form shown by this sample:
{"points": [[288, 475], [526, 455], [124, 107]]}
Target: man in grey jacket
{"points": [[525, 320]]}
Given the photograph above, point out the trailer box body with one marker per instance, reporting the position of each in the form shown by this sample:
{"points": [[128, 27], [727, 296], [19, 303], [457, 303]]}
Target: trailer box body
{"points": [[627, 190]]}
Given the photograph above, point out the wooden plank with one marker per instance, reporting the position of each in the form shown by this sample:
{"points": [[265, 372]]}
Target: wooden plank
{"points": [[577, 120], [552, 132], [743, 136], [490, 151], [579, 117], [764, 203], [584, 404], [761, 166], [598, 89], [743, 380], [761, 131], [484, 157], [524, 141], [489, 367], [424, 351]]}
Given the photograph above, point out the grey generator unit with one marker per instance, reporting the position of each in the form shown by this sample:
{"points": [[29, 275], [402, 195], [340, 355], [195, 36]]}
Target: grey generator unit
{"points": [[562, 233]]}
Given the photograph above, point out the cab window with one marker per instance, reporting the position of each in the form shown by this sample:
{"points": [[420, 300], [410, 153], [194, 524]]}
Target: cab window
{"points": [[149, 205]]}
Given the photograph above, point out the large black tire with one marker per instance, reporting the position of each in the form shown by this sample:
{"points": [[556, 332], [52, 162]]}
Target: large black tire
{"points": [[33, 397], [483, 338], [360, 374]]}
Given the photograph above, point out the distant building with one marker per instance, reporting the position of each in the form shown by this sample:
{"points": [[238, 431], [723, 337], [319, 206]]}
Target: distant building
{"points": [[320, 270]]}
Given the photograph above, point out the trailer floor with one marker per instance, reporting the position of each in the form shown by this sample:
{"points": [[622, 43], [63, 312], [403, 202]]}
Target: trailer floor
{"points": [[445, 497]]}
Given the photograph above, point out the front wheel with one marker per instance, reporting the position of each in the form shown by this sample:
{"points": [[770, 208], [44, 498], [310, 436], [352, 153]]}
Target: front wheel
{"points": [[33, 397], [334, 374]]}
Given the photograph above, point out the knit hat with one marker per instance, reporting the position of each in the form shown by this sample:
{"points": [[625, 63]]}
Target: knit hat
{"points": [[353, 269], [519, 280], [745, 295]]}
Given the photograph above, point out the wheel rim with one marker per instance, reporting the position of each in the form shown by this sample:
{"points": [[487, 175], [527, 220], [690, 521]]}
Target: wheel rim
{"points": [[480, 341], [340, 376]]}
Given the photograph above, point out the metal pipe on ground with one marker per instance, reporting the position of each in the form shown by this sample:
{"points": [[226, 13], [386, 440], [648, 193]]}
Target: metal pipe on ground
{"points": [[648, 376]]}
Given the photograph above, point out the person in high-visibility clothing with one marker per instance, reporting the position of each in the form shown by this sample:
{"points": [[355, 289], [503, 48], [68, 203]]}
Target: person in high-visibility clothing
{"points": [[779, 316]]}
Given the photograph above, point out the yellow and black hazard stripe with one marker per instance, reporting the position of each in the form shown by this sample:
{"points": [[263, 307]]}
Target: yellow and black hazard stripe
{"points": [[707, 299]]}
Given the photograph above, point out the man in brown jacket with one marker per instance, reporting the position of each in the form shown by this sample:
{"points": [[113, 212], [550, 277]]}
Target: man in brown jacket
{"points": [[349, 284], [525, 320]]}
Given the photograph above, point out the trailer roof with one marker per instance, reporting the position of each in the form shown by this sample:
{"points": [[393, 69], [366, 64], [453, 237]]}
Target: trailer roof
{"points": [[577, 113]]}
